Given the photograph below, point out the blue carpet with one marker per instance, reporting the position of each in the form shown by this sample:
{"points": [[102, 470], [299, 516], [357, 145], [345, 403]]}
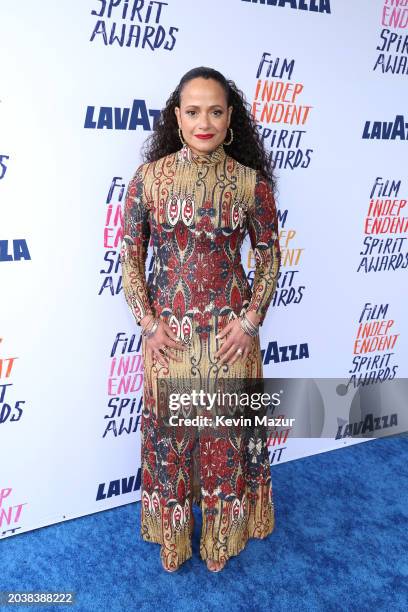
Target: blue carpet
{"points": [[340, 543]]}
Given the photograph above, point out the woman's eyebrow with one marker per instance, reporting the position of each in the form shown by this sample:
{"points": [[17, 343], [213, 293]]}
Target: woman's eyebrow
{"points": [[195, 106]]}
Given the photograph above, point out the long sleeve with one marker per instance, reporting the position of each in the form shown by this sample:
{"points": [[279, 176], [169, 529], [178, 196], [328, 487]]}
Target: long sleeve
{"points": [[134, 246], [263, 233]]}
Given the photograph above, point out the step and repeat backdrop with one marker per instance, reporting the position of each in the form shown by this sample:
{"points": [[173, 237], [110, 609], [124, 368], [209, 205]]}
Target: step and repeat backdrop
{"points": [[81, 87]]}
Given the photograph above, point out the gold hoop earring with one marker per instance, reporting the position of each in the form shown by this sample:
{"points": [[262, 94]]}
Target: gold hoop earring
{"points": [[231, 139], [181, 137]]}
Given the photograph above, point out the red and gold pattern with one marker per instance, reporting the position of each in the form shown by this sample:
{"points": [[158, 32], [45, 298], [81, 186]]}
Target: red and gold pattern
{"points": [[197, 209]]}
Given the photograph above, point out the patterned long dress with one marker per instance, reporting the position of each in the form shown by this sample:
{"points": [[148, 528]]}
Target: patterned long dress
{"points": [[197, 209]]}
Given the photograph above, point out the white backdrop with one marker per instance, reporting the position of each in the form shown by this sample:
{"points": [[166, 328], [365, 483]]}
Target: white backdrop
{"points": [[70, 364]]}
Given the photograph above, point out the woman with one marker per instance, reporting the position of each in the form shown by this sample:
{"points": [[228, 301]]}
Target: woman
{"points": [[198, 315]]}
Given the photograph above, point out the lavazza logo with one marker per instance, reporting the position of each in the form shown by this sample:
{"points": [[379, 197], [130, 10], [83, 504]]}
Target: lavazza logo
{"points": [[121, 118], [315, 6]]}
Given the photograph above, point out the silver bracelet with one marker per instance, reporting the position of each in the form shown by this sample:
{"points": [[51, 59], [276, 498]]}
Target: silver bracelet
{"points": [[248, 331], [249, 328], [145, 327], [147, 333], [250, 323], [148, 323]]}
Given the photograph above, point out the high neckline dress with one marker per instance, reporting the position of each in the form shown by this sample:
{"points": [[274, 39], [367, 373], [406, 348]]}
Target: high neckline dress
{"points": [[196, 210]]}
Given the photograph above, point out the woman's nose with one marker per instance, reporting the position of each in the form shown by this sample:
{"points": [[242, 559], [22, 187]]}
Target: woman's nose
{"points": [[204, 122]]}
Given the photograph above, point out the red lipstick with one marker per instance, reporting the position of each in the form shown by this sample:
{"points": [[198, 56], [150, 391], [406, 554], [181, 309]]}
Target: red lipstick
{"points": [[204, 136]]}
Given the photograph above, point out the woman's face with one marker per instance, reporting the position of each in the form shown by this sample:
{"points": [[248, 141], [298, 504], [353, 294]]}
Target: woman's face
{"points": [[203, 111]]}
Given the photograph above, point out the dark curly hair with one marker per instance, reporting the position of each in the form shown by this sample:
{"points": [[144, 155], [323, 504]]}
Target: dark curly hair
{"points": [[246, 147]]}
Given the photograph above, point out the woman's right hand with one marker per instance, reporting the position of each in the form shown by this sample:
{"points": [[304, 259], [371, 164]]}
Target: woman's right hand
{"points": [[163, 337]]}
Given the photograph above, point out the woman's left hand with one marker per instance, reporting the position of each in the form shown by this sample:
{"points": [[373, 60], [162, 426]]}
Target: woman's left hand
{"points": [[237, 339]]}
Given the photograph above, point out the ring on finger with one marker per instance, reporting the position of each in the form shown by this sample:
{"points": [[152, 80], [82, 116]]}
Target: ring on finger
{"points": [[239, 351]]}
